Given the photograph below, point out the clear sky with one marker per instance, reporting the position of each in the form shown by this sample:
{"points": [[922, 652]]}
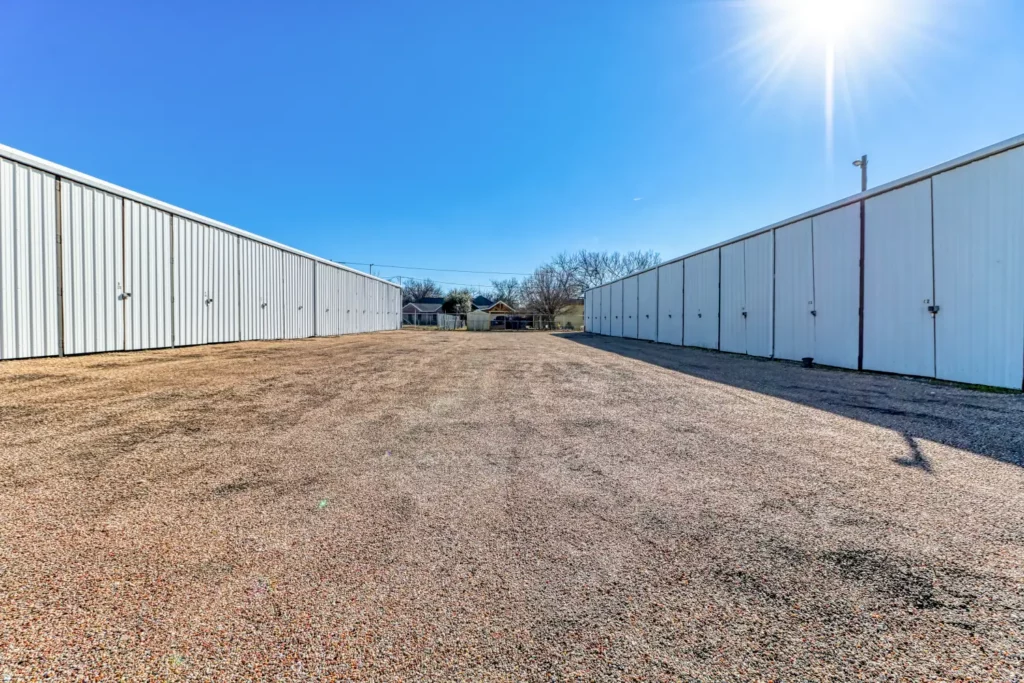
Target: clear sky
{"points": [[489, 135]]}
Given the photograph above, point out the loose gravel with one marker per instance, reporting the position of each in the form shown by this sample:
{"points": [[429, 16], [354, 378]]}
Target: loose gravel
{"points": [[488, 506]]}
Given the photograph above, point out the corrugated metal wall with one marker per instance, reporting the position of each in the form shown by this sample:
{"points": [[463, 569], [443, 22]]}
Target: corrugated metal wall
{"points": [[939, 291], [670, 303], [147, 277], [734, 299], [93, 269], [299, 309], [261, 303], [206, 302], [330, 313], [700, 307], [837, 287], [88, 267], [979, 271], [616, 291], [606, 309], [759, 298], [630, 303], [28, 262], [648, 305]]}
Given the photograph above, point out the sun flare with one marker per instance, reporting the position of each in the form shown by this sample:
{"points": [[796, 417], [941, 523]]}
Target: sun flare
{"points": [[832, 22]]}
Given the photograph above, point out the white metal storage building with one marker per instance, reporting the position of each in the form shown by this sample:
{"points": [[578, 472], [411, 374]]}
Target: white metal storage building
{"points": [[922, 276], [87, 266]]}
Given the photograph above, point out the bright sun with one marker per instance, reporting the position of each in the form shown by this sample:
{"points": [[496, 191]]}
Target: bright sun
{"points": [[830, 21], [843, 40]]}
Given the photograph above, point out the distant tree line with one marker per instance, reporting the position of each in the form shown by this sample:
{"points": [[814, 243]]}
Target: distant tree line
{"points": [[550, 290]]}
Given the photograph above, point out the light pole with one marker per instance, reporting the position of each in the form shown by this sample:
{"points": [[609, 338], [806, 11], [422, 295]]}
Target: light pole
{"points": [[863, 163]]}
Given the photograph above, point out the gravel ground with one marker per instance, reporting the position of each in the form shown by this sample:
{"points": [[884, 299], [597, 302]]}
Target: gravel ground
{"points": [[426, 505]]}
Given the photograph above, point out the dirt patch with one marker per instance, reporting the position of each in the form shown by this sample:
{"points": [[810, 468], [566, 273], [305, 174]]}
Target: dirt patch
{"points": [[457, 506]]}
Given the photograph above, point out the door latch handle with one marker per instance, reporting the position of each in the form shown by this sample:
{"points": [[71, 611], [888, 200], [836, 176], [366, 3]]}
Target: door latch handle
{"points": [[814, 313], [744, 314], [933, 309]]}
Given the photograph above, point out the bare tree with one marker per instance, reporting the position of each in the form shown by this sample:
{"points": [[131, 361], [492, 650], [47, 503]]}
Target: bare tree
{"points": [[591, 268], [508, 291], [550, 290], [414, 290]]}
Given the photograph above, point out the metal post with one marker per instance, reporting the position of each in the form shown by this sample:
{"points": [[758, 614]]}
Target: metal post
{"points": [[863, 164]]}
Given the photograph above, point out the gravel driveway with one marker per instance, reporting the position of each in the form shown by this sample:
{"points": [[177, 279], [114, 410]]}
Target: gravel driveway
{"points": [[488, 506]]}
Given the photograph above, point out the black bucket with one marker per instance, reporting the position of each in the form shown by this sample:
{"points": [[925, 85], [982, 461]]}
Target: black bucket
{"points": [[808, 362]]}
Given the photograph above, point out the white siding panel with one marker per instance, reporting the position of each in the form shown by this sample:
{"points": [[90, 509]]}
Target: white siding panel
{"points": [[899, 332], [616, 291], [794, 291], [205, 284], [147, 264], [734, 293], [759, 265], [606, 309], [979, 271], [648, 305], [586, 311], [670, 303], [629, 307], [298, 296], [91, 227], [330, 304], [28, 262], [837, 287], [260, 282], [701, 301]]}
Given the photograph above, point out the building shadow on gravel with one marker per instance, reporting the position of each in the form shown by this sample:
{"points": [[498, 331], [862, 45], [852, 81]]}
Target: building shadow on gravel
{"points": [[989, 424]]}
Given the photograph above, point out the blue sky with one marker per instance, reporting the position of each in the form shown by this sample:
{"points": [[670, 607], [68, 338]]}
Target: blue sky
{"points": [[490, 136]]}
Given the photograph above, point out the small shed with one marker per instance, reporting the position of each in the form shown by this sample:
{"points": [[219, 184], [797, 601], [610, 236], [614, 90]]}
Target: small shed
{"points": [[478, 321]]}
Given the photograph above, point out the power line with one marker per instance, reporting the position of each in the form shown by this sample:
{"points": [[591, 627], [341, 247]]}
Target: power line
{"points": [[440, 270]]}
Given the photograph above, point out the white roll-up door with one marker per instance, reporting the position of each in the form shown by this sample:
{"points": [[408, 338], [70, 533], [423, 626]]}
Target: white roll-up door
{"points": [[700, 326], [629, 307], [794, 291], [837, 287], [647, 309], [670, 303], [979, 271], [899, 331]]}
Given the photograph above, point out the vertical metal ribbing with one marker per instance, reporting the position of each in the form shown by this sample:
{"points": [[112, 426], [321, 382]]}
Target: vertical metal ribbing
{"points": [[124, 279], [775, 289], [170, 227], [60, 269], [860, 332], [935, 323], [718, 345]]}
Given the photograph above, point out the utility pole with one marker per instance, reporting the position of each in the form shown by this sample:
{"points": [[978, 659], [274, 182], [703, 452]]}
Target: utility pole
{"points": [[863, 164]]}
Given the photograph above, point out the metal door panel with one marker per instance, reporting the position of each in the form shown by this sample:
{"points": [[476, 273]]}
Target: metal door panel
{"points": [[979, 271], [92, 230], [701, 301], [647, 310], [147, 277], [616, 292], [899, 331], [670, 303], [759, 281], [794, 291], [629, 307], [733, 292], [836, 238]]}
